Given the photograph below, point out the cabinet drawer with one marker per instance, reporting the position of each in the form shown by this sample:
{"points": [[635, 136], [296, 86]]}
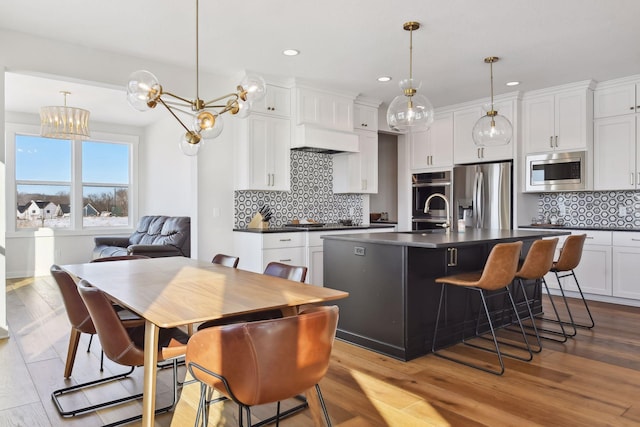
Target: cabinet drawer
{"points": [[282, 240], [595, 237], [291, 256], [626, 238]]}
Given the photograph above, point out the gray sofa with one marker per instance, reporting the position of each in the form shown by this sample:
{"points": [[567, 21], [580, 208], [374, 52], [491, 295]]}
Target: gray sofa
{"points": [[155, 236]]}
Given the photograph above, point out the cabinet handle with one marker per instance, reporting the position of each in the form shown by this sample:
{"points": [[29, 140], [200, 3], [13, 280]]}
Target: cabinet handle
{"points": [[286, 260], [635, 240], [431, 160], [556, 141], [285, 240], [453, 257], [364, 184], [551, 142], [478, 153], [631, 178], [590, 237]]}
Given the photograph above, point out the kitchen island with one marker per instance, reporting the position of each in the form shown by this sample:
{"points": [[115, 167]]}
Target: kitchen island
{"points": [[390, 277]]}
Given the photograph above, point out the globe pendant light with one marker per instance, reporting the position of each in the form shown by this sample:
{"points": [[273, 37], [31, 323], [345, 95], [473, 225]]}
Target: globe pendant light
{"points": [[144, 92], [410, 110], [492, 129]]}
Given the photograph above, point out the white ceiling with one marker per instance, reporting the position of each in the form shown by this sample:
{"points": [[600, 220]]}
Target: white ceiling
{"points": [[346, 45]]}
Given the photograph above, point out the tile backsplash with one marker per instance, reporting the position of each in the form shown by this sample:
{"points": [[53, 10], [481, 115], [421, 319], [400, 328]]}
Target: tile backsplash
{"points": [[606, 209], [311, 195]]}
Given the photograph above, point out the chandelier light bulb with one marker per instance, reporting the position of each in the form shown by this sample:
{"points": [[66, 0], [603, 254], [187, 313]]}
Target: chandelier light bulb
{"points": [[143, 90], [255, 88], [208, 124], [190, 143]]}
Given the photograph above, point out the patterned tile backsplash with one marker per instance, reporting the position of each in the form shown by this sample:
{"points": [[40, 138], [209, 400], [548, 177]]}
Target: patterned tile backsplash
{"points": [[606, 209], [311, 195]]}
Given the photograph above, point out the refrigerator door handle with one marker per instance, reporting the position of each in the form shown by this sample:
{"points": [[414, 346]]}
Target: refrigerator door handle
{"points": [[480, 199]]}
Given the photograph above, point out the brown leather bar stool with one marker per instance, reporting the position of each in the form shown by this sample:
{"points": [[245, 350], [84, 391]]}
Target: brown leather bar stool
{"points": [[538, 263], [570, 256], [263, 362], [498, 273], [226, 260]]}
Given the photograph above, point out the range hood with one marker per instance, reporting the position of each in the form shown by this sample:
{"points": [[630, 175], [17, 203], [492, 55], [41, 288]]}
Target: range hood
{"points": [[326, 141]]}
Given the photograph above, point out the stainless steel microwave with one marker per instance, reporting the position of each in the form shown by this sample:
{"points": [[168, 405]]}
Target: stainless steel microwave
{"points": [[557, 171]]}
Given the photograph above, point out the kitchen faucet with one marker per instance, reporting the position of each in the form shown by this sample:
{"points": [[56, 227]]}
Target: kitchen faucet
{"points": [[447, 224]]}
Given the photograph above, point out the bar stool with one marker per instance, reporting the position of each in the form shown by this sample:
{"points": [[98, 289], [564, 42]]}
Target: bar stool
{"points": [[538, 262], [570, 256], [498, 273]]}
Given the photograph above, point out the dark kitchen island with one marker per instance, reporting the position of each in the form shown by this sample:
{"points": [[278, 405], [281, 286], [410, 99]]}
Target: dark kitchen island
{"points": [[390, 277]]}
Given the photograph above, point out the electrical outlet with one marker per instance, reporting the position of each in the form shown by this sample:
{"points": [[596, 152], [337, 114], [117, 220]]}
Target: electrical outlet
{"points": [[622, 210], [351, 211], [358, 250]]}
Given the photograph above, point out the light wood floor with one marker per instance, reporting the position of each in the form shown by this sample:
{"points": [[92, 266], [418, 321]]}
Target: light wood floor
{"points": [[592, 380]]}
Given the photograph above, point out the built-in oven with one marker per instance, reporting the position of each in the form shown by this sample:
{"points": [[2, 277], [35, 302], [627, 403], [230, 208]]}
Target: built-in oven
{"points": [[556, 172], [424, 185]]}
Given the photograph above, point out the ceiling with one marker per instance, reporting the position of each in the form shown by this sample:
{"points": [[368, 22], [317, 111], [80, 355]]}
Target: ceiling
{"points": [[346, 45]]}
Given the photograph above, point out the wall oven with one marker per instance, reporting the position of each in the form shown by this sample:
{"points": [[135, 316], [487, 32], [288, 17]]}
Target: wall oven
{"points": [[556, 172], [424, 185]]}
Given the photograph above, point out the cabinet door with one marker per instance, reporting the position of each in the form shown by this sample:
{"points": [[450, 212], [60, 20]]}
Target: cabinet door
{"points": [[315, 274], [365, 118], [615, 101], [368, 143], [279, 151], [614, 153], [342, 113], [626, 270], [593, 272], [268, 142], [419, 149], [290, 256], [440, 141], [538, 124], [277, 102], [464, 149], [571, 121]]}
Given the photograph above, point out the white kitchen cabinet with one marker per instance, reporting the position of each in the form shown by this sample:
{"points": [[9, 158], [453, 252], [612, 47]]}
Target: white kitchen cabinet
{"points": [[433, 148], [594, 272], [366, 118], [277, 102], [616, 100], [263, 154], [558, 121], [616, 155], [256, 250], [357, 172], [465, 150], [324, 109], [626, 264]]}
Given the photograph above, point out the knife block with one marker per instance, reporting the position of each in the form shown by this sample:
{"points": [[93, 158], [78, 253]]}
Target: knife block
{"points": [[257, 222]]}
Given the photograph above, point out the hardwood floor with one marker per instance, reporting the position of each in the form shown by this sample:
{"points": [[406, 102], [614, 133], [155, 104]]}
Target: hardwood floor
{"points": [[592, 380]]}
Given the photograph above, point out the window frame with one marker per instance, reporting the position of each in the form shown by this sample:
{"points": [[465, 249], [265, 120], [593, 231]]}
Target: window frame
{"points": [[76, 197]]}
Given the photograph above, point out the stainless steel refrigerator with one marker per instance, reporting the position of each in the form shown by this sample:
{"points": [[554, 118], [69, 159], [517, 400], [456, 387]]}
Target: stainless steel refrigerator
{"points": [[482, 195]]}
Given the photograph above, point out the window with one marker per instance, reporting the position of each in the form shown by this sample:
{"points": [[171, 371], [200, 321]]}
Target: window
{"points": [[71, 185]]}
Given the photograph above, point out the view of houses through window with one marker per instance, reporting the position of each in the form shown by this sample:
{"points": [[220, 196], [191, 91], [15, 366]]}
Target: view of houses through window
{"points": [[45, 184]]}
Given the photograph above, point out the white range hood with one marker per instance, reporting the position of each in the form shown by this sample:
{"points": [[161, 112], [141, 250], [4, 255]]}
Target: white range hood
{"points": [[322, 140]]}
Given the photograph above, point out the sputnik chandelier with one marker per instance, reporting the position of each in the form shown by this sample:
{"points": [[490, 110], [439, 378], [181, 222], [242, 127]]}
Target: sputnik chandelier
{"points": [[144, 92]]}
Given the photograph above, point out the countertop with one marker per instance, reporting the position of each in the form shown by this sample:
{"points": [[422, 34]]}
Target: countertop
{"points": [[426, 239], [326, 227], [573, 227]]}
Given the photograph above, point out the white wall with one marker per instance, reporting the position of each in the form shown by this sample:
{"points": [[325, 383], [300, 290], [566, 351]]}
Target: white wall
{"points": [[386, 200], [4, 330]]}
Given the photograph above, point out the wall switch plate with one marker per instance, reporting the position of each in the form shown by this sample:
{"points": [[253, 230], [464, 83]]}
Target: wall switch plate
{"points": [[358, 250], [622, 210]]}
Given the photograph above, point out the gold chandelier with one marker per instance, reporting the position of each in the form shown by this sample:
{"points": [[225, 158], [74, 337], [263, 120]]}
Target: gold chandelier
{"points": [[64, 122], [144, 92]]}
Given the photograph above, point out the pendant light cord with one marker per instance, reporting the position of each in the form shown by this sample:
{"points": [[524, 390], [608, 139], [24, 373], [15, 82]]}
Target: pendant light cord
{"points": [[411, 57], [491, 74]]}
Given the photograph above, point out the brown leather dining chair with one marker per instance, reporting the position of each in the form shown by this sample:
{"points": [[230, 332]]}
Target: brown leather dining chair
{"points": [[263, 362], [226, 260], [494, 280], [126, 346], [276, 269]]}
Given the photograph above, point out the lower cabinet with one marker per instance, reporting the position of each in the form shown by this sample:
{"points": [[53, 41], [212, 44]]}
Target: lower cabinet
{"points": [[256, 250], [626, 264], [594, 272]]}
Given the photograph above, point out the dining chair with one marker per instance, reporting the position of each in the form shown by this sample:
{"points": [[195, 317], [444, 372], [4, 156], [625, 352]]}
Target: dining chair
{"points": [[494, 280], [276, 269], [80, 319], [126, 346], [263, 362], [226, 260]]}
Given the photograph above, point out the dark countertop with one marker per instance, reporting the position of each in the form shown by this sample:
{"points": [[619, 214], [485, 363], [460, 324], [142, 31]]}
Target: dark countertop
{"points": [[327, 227], [573, 227], [443, 240]]}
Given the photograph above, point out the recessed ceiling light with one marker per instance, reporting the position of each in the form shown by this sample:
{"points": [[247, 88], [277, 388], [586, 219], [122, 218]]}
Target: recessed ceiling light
{"points": [[512, 83], [290, 52], [384, 79]]}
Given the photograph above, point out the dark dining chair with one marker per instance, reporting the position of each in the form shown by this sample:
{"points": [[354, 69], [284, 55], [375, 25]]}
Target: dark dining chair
{"points": [[226, 260], [276, 269], [263, 362]]}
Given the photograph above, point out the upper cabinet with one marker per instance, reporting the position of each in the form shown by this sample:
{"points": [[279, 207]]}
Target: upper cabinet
{"points": [[324, 109], [366, 118], [558, 119], [433, 148], [617, 98], [464, 149], [358, 172], [616, 164], [277, 102]]}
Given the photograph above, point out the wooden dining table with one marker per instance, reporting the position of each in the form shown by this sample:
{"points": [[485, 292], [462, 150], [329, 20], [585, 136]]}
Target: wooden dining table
{"points": [[176, 291]]}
